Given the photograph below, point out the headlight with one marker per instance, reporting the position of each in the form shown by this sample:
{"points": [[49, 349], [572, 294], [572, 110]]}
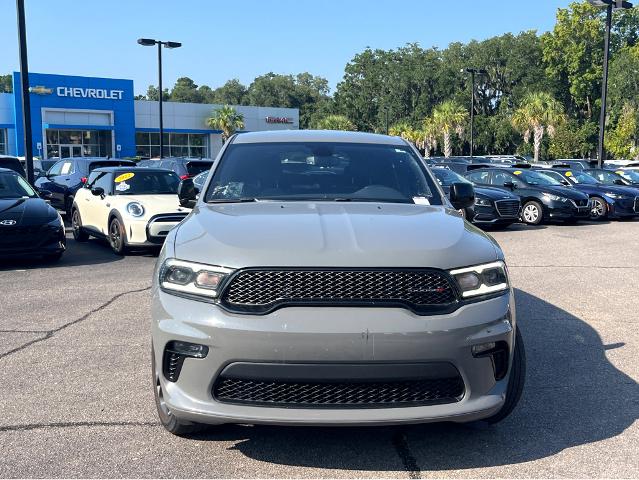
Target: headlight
{"points": [[615, 195], [135, 209], [481, 279], [554, 198], [192, 279], [482, 201]]}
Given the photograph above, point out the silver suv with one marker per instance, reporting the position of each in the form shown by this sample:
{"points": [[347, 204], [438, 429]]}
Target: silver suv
{"points": [[324, 278]]}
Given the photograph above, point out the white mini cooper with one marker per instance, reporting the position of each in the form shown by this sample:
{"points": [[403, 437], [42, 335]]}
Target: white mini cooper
{"points": [[130, 207]]}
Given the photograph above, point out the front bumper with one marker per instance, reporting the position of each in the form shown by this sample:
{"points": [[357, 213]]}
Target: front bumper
{"points": [[565, 210], [33, 242], [152, 232], [331, 336], [624, 207], [489, 214]]}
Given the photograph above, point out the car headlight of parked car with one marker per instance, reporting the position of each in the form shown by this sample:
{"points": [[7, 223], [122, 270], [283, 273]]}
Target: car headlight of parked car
{"points": [[195, 280], [484, 202], [481, 279], [135, 209], [555, 198]]}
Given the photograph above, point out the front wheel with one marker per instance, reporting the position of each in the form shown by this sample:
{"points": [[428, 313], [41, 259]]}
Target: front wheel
{"points": [[79, 234], [117, 236], [516, 381], [532, 213], [167, 419], [598, 208]]}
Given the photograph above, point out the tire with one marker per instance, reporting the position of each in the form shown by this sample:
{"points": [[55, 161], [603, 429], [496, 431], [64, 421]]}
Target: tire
{"points": [[53, 258], [117, 236], [516, 381], [167, 419], [532, 213], [599, 210], [79, 234], [68, 206]]}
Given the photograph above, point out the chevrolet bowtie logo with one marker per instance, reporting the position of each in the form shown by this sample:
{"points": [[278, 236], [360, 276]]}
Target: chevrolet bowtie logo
{"points": [[41, 90]]}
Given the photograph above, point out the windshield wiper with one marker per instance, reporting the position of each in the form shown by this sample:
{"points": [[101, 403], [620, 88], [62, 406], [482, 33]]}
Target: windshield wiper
{"points": [[233, 200]]}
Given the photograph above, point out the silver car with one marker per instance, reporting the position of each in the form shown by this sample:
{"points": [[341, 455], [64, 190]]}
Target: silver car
{"points": [[323, 278]]}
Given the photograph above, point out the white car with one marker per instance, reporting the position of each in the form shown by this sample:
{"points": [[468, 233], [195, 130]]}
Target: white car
{"points": [[130, 207]]}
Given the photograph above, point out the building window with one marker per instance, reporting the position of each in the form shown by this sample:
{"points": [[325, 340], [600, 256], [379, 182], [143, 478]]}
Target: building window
{"points": [[78, 143], [3, 141], [147, 144]]}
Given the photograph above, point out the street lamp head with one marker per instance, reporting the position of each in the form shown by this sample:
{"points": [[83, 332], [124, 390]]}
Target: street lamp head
{"points": [[617, 4], [172, 44], [147, 42]]}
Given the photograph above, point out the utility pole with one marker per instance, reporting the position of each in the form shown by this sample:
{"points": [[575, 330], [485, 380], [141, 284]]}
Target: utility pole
{"points": [[24, 91]]}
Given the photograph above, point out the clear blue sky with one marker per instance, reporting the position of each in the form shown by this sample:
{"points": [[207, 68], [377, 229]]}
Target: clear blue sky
{"points": [[243, 39]]}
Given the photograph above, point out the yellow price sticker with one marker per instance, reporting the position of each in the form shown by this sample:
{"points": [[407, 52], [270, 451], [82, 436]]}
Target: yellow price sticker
{"points": [[569, 174], [619, 172], [124, 177], [518, 172]]}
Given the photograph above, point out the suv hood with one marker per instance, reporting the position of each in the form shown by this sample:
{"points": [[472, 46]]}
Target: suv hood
{"points": [[331, 234]]}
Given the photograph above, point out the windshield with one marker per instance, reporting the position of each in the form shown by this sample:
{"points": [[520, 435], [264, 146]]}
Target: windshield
{"points": [[536, 178], [447, 177], [146, 183], [321, 171], [14, 186], [631, 175], [581, 177], [603, 176]]}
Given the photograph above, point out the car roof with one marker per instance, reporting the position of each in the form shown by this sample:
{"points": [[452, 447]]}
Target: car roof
{"points": [[125, 168], [316, 136]]}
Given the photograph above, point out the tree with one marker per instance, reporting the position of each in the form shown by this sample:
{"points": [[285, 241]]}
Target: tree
{"points": [[449, 117], [407, 132], [153, 93], [621, 140], [6, 84], [231, 93], [429, 136], [186, 91], [226, 119], [574, 140], [538, 113], [335, 122]]}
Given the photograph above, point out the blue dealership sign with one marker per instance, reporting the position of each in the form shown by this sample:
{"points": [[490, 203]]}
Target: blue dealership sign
{"points": [[77, 103]]}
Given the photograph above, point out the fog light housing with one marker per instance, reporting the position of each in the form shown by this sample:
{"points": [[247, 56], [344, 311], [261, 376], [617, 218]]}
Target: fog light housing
{"points": [[174, 354], [499, 356]]}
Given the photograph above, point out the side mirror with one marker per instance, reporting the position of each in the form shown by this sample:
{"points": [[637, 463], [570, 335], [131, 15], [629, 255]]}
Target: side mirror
{"points": [[462, 195], [187, 193], [619, 181], [97, 191], [510, 185], [45, 194]]}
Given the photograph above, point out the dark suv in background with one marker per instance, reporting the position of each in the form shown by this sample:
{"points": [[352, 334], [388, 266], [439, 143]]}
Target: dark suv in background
{"points": [[184, 167], [12, 163], [68, 175], [543, 198]]}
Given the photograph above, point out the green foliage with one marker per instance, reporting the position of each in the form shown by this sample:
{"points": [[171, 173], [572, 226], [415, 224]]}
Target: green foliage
{"points": [[574, 140], [621, 140], [231, 93], [334, 122], [449, 117], [539, 113], [226, 119], [6, 84]]}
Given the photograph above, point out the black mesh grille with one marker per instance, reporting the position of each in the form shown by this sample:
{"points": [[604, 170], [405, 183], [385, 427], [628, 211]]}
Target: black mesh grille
{"points": [[507, 208], [636, 205], [263, 290], [339, 395]]}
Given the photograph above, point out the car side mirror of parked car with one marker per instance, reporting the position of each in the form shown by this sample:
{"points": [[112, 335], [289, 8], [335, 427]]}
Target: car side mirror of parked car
{"points": [[619, 181], [462, 195], [510, 185], [97, 191], [187, 193]]}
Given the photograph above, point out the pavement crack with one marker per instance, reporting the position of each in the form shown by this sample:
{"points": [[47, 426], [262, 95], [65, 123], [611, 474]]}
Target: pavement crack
{"points": [[51, 333], [400, 442], [37, 426]]}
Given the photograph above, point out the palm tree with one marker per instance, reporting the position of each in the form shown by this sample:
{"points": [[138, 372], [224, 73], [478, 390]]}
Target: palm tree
{"points": [[226, 119], [429, 136], [408, 132], [449, 117], [335, 122], [538, 113]]}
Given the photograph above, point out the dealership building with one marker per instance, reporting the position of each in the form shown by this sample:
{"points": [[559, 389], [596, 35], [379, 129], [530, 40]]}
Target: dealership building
{"points": [[88, 116]]}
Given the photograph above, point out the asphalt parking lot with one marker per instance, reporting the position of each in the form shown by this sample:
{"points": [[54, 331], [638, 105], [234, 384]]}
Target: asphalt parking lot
{"points": [[77, 399]]}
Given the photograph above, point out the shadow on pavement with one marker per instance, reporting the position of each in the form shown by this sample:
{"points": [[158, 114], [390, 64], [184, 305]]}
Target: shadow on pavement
{"points": [[573, 396]]}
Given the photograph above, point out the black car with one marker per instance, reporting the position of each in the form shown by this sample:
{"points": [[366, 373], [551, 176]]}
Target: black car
{"points": [[608, 201], [543, 198], [630, 175], [68, 175], [29, 226], [12, 163], [493, 206], [184, 167], [575, 164], [610, 177]]}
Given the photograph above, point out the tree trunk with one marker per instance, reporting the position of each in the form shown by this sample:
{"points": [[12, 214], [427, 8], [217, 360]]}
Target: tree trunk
{"points": [[539, 135], [448, 148]]}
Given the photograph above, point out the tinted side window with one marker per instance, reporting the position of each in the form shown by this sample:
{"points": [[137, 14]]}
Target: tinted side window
{"points": [[67, 168], [57, 168], [499, 178], [480, 177], [100, 179]]}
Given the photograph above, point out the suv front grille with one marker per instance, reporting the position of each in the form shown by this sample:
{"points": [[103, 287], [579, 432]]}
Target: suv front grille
{"points": [[262, 290], [406, 393], [508, 208]]}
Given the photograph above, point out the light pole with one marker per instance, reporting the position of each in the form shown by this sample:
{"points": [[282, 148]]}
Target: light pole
{"points": [[386, 118], [609, 4], [24, 91], [473, 72], [148, 42]]}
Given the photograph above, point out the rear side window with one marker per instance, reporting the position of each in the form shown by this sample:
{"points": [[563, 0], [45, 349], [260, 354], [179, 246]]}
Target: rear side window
{"points": [[195, 168], [480, 177]]}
